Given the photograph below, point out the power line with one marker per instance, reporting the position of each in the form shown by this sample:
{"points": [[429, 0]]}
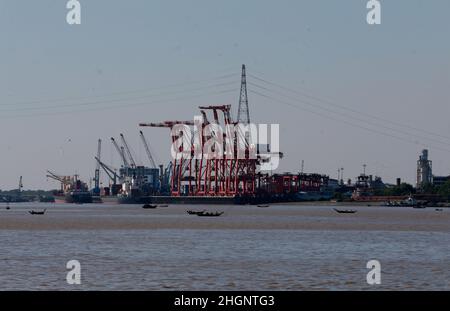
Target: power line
{"points": [[341, 121], [137, 91], [119, 105], [115, 100], [353, 117], [347, 108]]}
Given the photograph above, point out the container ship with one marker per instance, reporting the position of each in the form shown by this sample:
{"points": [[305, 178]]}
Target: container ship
{"points": [[72, 190], [76, 196]]}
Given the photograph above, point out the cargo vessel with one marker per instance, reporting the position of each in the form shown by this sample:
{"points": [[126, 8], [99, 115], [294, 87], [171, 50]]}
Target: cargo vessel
{"points": [[72, 190], [76, 196]]}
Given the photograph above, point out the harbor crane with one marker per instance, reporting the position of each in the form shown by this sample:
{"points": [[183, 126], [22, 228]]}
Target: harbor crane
{"points": [[97, 169], [124, 156], [111, 172], [147, 149], [19, 189], [20, 185], [56, 177], [178, 166], [64, 180], [127, 149], [121, 152]]}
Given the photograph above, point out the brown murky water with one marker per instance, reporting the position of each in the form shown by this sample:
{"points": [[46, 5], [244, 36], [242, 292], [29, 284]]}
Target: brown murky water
{"points": [[248, 248]]}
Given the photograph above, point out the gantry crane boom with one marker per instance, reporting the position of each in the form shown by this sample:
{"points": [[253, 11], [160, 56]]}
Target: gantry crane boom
{"points": [[62, 179], [97, 169], [124, 155], [56, 177], [127, 149], [147, 149], [178, 166], [121, 153], [108, 170], [168, 124]]}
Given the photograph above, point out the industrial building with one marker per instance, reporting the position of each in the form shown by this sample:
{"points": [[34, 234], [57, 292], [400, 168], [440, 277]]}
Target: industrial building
{"points": [[424, 170]]}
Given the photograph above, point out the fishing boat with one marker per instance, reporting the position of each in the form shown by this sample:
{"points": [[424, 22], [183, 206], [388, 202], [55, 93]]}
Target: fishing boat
{"points": [[32, 212], [263, 205], [148, 206], [345, 211], [195, 212], [208, 214]]}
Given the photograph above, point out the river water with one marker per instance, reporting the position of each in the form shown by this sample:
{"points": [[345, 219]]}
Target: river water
{"points": [[283, 247]]}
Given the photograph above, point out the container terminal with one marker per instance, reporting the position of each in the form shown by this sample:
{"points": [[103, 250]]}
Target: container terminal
{"points": [[235, 180], [195, 180]]}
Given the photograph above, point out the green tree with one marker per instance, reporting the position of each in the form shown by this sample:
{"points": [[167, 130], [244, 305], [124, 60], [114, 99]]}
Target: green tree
{"points": [[402, 189], [444, 190]]}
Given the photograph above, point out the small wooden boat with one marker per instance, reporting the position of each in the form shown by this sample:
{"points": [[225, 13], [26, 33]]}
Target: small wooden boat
{"points": [[439, 210], [263, 205], [208, 214], [195, 212], [345, 211], [148, 206], [37, 213]]}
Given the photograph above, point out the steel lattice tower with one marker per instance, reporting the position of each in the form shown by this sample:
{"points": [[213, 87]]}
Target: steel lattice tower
{"points": [[243, 112]]}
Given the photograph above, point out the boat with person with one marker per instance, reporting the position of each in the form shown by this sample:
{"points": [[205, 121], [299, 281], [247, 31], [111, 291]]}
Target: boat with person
{"points": [[149, 206], [33, 212], [345, 211], [195, 212], [210, 214]]}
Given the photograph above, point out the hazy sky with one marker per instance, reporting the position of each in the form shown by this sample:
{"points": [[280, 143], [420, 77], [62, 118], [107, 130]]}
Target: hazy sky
{"points": [[350, 93]]}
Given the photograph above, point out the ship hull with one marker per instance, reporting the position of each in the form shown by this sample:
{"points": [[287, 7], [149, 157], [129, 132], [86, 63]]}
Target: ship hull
{"points": [[175, 200], [74, 198]]}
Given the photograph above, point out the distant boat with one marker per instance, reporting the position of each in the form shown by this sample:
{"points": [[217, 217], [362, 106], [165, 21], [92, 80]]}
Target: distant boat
{"points": [[409, 202], [147, 206], [345, 211], [208, 214], [263, 205], [439, 210], [195, 212], [37, 213]]}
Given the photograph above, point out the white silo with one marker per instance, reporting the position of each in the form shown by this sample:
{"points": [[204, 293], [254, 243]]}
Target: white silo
{"points": [[424, 170]]}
